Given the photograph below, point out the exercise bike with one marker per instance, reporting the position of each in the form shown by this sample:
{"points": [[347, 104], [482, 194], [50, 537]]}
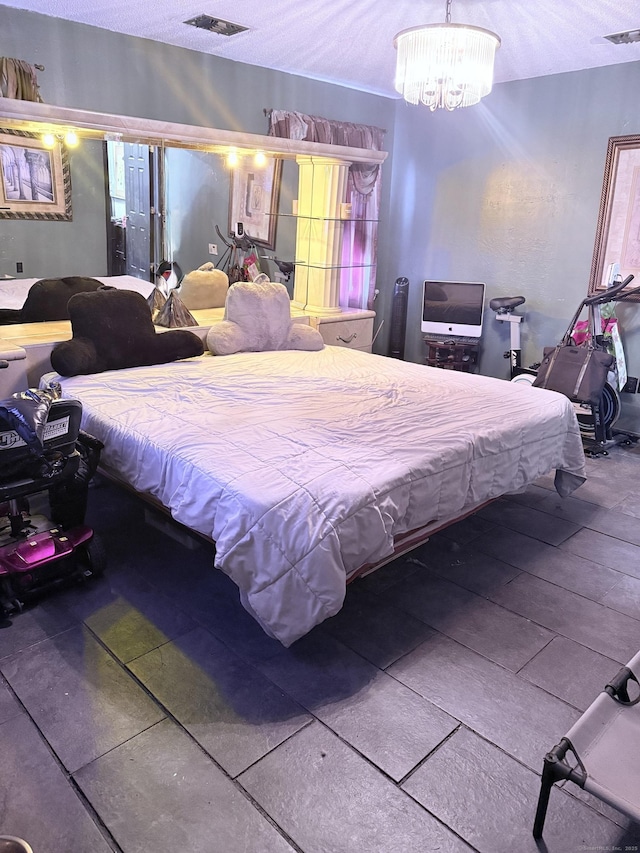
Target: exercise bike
{"points": [[595, 422], [504, 306]]}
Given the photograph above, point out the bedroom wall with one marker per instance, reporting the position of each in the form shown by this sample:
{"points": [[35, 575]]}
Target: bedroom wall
{"points": [[507, 192], [86, 67], [197, 186], [51, 249]]}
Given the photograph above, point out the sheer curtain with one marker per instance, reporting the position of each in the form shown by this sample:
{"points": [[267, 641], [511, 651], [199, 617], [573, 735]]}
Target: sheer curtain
{"points": [[360, 233]]}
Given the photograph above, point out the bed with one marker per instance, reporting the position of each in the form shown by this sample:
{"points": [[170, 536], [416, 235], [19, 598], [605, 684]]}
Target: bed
{"points": [[305, 468], [13, 292]]}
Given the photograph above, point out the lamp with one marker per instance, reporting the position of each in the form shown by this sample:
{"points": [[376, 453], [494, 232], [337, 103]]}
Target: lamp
{"points": [[445, 65], [69, 137]]}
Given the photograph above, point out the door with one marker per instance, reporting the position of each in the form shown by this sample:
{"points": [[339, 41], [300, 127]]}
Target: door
{"points": [[134, 200], [138, 210]]}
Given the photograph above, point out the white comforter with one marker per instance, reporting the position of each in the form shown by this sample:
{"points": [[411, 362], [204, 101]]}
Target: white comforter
{"points": [[304, 466]]}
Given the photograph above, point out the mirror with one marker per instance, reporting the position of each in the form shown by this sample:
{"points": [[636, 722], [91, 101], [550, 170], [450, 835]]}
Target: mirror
{"points": [[189, 170], [195, 192], [617, 245]]}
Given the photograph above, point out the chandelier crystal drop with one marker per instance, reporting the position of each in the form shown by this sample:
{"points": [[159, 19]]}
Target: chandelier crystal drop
{"points": [[445, 65]]}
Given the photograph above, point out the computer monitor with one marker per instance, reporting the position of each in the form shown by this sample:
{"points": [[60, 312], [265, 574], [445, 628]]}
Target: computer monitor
{"points": [[452, 308]]}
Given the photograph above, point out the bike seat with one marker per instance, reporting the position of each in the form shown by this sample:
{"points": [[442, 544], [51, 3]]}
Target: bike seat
{"points": [[504, 304]]}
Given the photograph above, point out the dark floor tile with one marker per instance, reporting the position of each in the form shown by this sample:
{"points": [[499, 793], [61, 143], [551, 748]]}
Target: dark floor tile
{"points": [[605, 550], [533, 496], [388, 723], [9, 705], [570, 672], [466, 530], [39, 621], [494, 632], [166, 563], [320, 668], [612, 522], [212, 600], [81, 699], [230, 708], [384, 577], [625, 597], [517, 716], [328, 799], [82, 601], [572, 508], [37, 803], [610, 478], [606, 631], [138, 620], [599, 491], [524, 519], [629, 504], [468, 567], [577, 574], [334, 790], [375, 629], [159, 792], [496, 813]]}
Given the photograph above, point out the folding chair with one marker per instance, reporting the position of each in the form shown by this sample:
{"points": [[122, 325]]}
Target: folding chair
{"points": [[604, 744]]}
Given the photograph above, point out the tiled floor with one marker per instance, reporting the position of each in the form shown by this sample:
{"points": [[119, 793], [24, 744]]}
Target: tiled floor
{"points": [[147, 712]]}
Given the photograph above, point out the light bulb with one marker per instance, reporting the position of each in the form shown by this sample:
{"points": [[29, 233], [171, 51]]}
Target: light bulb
{"points": [[71, 139], [232, 159], [48, 140], [260, 159]]}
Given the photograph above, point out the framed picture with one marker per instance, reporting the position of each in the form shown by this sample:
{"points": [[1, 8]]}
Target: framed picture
{"points": [[35, 181], [253, 200], [618, 229]]}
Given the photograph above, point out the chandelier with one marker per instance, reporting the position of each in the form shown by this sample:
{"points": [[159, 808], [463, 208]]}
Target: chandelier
{"points": [[445, 65]]}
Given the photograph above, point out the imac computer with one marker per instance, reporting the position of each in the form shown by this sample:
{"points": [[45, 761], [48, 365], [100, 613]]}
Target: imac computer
{"points": [[452, 309]]}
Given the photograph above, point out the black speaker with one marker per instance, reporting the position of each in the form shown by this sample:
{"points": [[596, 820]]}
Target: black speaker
{"points": [[399, 317]]}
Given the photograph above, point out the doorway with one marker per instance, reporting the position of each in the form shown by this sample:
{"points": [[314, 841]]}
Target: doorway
{"points": [[133, 226]]}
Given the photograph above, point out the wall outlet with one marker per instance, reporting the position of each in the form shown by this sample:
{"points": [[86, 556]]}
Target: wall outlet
{"points": [[213, 249], [19, 266], [631, 385]]}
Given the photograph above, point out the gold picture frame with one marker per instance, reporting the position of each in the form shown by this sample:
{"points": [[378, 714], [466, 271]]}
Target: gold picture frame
{"points": [[618, 229], [35, 181], [253, 200]]}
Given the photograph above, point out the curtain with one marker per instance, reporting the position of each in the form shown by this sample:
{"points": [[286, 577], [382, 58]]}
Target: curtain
{"points": [[18, 80], [360, 234]]}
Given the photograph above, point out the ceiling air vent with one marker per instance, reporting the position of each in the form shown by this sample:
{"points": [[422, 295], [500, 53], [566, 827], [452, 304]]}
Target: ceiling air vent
{"points": [[216, 25], [626, 37]]}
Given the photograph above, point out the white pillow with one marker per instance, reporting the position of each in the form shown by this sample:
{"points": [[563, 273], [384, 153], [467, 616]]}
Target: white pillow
{"points": [[204, 288], [257, 317]]}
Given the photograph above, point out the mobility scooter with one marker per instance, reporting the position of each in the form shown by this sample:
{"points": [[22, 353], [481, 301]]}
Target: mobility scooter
{"points": [[45, 459]]}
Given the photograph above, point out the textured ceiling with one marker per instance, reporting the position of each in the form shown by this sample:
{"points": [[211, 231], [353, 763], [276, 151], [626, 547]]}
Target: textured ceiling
{"points": [[351, 41]]}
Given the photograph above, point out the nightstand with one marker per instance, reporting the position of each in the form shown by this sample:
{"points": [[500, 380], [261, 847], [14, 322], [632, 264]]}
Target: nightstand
{"points": [[352, 328]]}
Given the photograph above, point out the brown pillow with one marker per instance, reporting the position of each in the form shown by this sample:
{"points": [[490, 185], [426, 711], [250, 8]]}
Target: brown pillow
{"points": [[112, 329], [48, 298]]}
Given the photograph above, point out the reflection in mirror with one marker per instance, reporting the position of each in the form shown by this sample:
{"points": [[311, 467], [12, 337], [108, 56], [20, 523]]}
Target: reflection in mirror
{"points": [[44, 248], [117, 187], [197, 199], [37, 248]]}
